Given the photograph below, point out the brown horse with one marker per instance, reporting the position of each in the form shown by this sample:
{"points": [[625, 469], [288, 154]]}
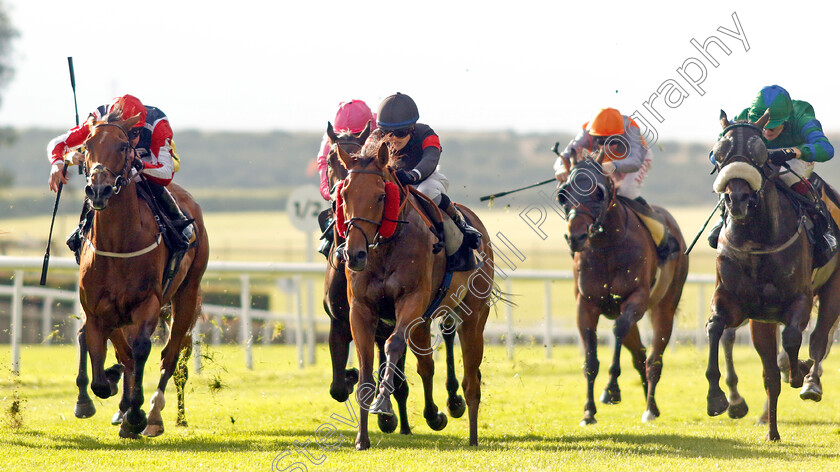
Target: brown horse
{"points": [[617, 274], [764, 271], [396, 278], [338, 308], [120, 279]]}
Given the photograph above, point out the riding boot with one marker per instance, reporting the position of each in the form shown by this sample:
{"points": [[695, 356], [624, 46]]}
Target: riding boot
{"points": [[180, 222], [472, 236], [714, 234], [327, 241], [74, 240]]}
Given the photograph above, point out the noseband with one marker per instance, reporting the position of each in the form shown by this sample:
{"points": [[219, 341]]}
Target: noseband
{"points": [[119, 180], [597, 226]]}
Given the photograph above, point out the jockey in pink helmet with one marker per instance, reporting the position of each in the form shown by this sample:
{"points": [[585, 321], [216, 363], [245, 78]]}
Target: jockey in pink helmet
{"points": [[351, 116]]}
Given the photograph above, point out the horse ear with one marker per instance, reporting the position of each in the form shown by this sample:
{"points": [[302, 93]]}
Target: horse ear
{"points": [[724, 121], [129, 123], [764, 119], [599, 158], [345, 158], [331, 133], [383, 155], [365, 133]]}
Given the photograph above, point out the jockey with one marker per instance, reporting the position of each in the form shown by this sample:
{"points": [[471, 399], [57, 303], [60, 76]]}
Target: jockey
{"points": [[627, 156], [794, 137], [155, 157], [418, 149], [351, 116]]}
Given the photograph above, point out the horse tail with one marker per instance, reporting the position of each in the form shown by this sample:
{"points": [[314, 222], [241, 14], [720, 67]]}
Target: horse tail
{"points": [[498, 295]]}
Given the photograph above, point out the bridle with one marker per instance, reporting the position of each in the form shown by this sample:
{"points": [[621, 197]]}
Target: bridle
{"points": [[597, 225], [120, 178], [353, 222]]}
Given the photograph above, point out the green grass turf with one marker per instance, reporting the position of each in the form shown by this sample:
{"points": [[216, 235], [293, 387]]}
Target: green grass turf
{"points": [[529, 418]]}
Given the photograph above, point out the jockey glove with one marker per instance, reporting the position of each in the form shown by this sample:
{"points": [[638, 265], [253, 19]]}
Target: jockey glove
{"points": [[408, 178], [138, 164], [780, 156]]}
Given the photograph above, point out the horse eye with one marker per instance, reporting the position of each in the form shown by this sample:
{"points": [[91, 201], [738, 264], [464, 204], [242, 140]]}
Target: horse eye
{"points": [[380, 198]]}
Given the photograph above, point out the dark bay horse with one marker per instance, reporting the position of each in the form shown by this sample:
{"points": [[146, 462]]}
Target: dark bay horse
{"points": [[120, 279], [764, 272], [617, 274], [396, 278]]}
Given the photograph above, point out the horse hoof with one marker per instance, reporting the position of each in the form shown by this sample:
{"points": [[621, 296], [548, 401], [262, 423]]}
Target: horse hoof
{"points": [[738, 409], [382, 406], [117, 418], [772, 436], [586, 421], [129, 431], [84, 409], [340, 393], [387, 423], [362, 443], [649, 416], [610, 397], [438, 422], [716, 405], [405, 430], [153, 429], [456, 406], [351, 376], [811, 391]]}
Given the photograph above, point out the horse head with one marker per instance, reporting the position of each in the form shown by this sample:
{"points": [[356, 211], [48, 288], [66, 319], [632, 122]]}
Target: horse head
{"points": [[740, 155], [108, 158], [585, 198], [365, 199], [349, 142]]}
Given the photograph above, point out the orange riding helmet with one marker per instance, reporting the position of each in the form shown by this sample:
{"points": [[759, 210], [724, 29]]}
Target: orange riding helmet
{"points": [[607, 122]]}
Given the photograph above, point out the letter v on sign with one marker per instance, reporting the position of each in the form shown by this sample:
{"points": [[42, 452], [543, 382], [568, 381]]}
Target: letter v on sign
{"points": [[353, 421]]}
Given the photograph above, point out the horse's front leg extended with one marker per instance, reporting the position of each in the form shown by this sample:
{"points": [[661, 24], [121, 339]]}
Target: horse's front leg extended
{"points": [[146, 313], [363, 326], [764, 340], [587, 322], [84, 405], [631, 311]]}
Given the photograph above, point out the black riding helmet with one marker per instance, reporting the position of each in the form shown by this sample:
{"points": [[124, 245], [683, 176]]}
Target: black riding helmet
{"points": [[397, 112]]}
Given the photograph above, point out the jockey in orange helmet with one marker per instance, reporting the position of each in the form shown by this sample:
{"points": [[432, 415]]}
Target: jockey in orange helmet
{"points": [[628, 158]]}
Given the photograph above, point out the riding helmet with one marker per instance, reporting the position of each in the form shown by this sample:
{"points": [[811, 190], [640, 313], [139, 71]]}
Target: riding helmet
{"points": [[129, 106], [607, 122], [396, 112], [353, 116], [773, 98]]}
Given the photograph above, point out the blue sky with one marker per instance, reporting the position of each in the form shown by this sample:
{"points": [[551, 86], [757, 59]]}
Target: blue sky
{"points": [[523, 66]]}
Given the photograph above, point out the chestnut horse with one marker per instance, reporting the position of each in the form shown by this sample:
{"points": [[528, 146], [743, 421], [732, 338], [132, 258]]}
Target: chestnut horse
{"points": [[617, 274], [120, 279], [397, 278], [764, 272]]}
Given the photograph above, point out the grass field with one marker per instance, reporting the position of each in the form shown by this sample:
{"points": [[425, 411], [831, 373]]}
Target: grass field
{"points": [[528, 420]]}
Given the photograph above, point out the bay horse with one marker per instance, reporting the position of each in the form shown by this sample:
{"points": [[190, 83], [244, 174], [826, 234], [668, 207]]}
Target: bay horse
{"points": [[338, 309], [764, 272], [120, 280], [617, 274], [396, 278]]}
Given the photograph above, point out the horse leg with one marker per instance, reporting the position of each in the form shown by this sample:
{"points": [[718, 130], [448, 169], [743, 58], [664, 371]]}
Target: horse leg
{"points": [[764, 340], [185, 305], [737, 405], [84, 405], [401, 395], [124, 358], [471, 334], [716, 402], [633, 344], [454, 402], [587, 322], [632, 310], [335, 304], [662, 318], [135, 418], [419, 339], [102, 384], [363, 326], [820, 343], [800, 310], [385, 414]]}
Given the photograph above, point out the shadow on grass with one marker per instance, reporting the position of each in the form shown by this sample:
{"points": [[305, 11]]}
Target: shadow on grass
{"points": [[626, 444]]}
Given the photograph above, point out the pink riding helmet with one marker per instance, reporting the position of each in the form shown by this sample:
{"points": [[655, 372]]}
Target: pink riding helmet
{"points": [[353, 116]]}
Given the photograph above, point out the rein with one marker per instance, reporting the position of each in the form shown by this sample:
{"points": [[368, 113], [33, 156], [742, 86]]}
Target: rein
{"points": [[378, 238]]}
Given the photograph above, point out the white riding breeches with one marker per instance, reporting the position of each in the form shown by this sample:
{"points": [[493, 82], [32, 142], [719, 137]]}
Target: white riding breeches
{"points": [[630, 185], [802, 168], [435, 185]]}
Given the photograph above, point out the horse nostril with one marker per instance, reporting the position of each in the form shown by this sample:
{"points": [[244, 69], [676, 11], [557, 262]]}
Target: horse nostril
{"points": [[107, 191], [89, 191], [362, 255]]}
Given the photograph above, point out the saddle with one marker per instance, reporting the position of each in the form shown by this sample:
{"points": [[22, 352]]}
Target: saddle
{"points": [[667, 246], [459, 257]]}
